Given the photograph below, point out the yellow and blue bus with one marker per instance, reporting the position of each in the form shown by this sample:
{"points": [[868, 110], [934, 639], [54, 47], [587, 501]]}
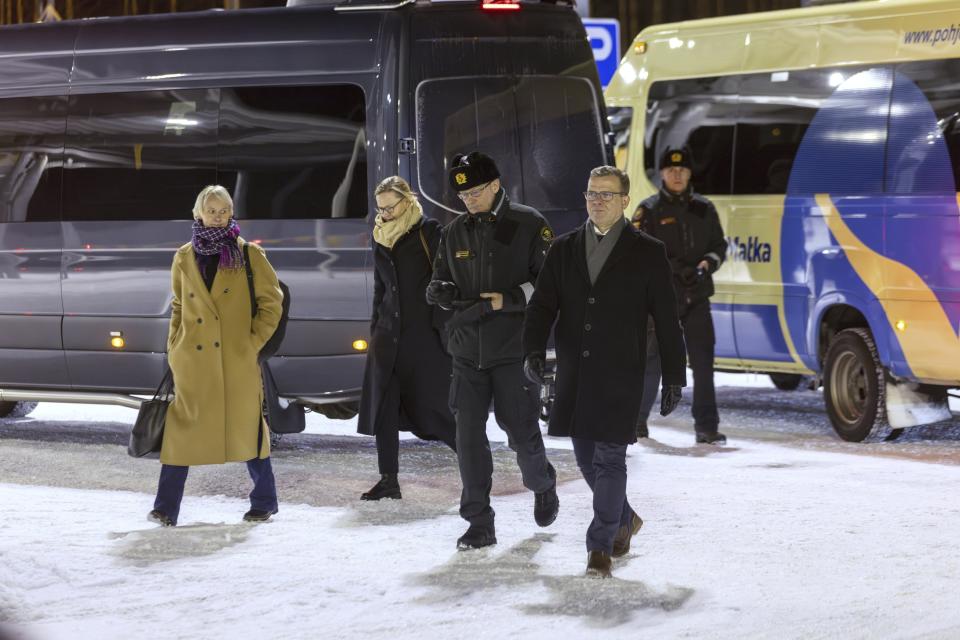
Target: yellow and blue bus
{"points": [[829, 140]]}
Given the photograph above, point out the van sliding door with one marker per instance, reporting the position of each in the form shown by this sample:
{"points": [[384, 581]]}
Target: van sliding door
{"points": [[31, 161]]}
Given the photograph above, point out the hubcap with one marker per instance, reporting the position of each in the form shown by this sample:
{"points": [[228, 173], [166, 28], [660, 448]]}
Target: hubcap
{"points": [[848, 388]]}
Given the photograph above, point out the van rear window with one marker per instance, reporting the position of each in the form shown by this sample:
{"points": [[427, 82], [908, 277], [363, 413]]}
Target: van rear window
{"points": [[543, 131]]}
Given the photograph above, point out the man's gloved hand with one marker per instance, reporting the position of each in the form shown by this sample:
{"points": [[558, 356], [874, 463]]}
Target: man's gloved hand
{"points": [[442, 293], [533, 367], [690, 276], [670, 398]]}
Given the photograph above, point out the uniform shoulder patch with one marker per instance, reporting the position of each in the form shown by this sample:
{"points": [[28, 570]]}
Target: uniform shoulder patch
{"points": [[546, 233]]}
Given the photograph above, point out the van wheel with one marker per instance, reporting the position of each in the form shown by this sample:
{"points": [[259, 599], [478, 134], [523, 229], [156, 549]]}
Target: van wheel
{"points": [[786, 381], [16, 409], [854, 388]]}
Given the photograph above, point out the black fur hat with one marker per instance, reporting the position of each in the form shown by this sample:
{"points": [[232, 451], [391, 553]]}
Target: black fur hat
{"points": [[677, 157], [472, 170]]}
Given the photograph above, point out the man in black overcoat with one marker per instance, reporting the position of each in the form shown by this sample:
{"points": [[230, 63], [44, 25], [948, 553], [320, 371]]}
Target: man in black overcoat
{"points": [[600, 283]]}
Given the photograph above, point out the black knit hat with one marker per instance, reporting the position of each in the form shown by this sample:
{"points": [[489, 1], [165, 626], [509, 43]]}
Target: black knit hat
{"points": [[677, 157], [472, 170]]}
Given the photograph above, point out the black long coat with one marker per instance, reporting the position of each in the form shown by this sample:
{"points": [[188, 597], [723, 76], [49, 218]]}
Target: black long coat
{"points": [[406, 341], [601, 333]]}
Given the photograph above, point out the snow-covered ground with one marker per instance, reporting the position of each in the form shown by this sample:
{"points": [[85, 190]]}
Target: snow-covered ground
{"points": [[753, 540]]}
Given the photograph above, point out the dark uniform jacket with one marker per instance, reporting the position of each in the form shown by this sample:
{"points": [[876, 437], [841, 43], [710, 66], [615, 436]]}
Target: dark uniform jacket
{"points": [[403, 325], [502, 252], [689, 226], [601, 333]]}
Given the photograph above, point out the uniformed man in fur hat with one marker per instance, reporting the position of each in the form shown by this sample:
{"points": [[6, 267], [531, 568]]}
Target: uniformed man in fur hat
{"points": [[688, 224], [485, 268]]}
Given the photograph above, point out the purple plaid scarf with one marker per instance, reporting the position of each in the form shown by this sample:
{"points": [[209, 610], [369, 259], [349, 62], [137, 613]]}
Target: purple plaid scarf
{"points": [[209, 241]]}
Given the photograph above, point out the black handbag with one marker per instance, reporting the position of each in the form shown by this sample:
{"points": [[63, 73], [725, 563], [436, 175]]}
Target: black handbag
{"points": [[146, 438], [273, 344]]}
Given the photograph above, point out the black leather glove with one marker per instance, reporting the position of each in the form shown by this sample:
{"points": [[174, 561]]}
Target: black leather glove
{"points": [[670, 398], [442, 293], [689, 276], [533, 366]]}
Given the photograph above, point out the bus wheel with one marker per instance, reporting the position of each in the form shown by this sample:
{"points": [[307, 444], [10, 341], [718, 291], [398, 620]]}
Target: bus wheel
{"points": [[853, 387], [15, 409], [786, 381]]}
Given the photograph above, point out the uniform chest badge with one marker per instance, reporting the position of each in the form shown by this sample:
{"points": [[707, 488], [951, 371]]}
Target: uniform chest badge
{"points": [[546, 234], [670, 220], [463, 254]]}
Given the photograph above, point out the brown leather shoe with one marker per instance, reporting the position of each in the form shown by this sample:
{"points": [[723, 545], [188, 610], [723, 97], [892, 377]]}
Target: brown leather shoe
{"points": [[598, 565], [621, 542]]}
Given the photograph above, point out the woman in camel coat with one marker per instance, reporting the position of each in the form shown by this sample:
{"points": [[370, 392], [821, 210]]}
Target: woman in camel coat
{"points": [[216, 414]]}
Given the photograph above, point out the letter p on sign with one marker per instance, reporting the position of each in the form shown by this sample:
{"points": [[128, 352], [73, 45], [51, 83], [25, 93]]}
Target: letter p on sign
{"points": [[604, 36]]}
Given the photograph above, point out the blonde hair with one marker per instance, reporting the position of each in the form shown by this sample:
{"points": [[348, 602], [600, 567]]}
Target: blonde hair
{"points": [[396, 184], [213, 190]]}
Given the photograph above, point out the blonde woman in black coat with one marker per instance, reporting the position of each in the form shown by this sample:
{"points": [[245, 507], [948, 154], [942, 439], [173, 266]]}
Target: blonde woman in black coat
{"points": [[407, 377]]}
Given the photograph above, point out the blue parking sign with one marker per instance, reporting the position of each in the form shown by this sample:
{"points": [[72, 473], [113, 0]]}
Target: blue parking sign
{"points": [[604, 35]]}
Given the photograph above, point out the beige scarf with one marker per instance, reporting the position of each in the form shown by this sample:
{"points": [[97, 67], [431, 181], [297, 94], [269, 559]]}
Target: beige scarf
{"points": [[387, 232]]}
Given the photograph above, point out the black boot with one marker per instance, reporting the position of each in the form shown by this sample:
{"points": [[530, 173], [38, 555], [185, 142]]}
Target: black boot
{"points": [[546, 505], [258, 515], [642, 431], [711, 437], [160, 518], [388, 487], [477, 537]]}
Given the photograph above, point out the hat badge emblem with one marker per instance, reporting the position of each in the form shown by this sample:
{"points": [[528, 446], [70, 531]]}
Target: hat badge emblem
{"points": [[676, 157], [461, 178]]}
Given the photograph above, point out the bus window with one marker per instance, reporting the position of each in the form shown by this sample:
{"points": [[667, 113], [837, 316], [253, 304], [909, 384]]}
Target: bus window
{"points": [[918, 172], [139, 156], [620, 119], [31, 158], [294, 152], [459, 115], [774, 112], [700, 113]]}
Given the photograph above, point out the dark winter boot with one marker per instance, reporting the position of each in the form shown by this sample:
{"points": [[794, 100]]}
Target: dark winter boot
{"points": [[160, 518], [258, 515], [546, 505], [711, 437], [642, 431], [388, 487], [598, 565], [621, 541], [477, 537]]}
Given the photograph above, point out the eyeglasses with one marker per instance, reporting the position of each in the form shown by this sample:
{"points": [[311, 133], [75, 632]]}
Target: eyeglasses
{"points": [[606, 196], [388, 210], [223, 212], [473, 193]]}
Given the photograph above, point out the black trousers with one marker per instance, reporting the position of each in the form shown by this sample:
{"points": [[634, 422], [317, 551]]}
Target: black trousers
{"points": [[388, 446], [516, 404], [604, 467], [698, 333]]}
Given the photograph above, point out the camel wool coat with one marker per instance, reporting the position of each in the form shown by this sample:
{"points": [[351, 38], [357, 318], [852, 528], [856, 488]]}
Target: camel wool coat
{"points": [[212, 348]]}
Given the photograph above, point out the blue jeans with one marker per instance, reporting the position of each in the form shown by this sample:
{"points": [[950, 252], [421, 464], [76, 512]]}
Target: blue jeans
{"points": [[604, 467], [173, 478]]}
